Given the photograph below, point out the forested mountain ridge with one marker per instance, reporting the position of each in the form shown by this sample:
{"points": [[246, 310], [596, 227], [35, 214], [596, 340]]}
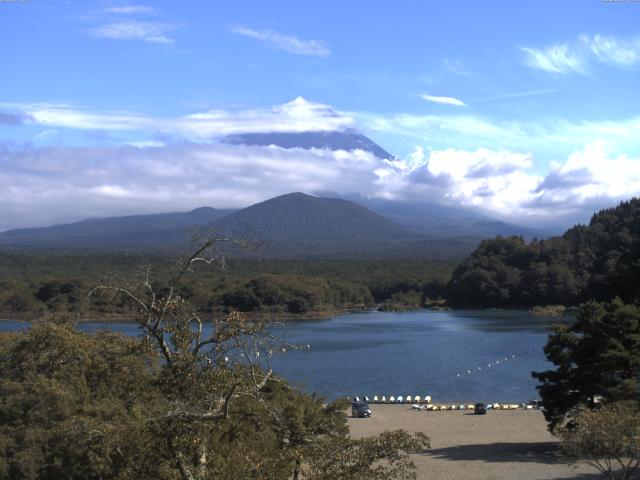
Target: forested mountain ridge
{"points": [[291, 226], [596, 261], [116, 232]]}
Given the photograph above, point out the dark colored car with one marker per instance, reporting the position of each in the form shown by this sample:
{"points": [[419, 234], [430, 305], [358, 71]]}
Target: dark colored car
{"points": [[360, 410], [480, 409]]}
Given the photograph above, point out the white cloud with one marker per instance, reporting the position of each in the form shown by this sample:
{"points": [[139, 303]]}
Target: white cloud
{"points": [[299, 115], [443, 100], [577, 56], [588, 174], [555, 59], [506, 184], [548, 138], [489, 168], [619, 52], [153, 32], [285, 42], [496, 181], [50, 185], [131, 9], [55, 184]]}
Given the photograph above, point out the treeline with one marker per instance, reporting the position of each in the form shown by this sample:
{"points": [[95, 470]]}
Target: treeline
{"points": [[33, 286], [596, 261]]}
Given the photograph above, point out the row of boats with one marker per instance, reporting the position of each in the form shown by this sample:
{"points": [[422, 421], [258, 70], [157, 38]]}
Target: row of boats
{"points": [[424, 403], [399, 399]]}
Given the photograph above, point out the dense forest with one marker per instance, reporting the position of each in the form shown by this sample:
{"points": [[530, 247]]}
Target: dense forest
{"points": [[32, 286], [596, 261]]}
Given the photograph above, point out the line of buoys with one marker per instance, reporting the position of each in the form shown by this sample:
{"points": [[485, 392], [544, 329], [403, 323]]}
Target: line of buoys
{"points": [[495, 363]]}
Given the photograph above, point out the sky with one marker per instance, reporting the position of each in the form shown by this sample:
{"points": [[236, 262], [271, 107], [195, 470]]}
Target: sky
{"points": [[525, 111]]}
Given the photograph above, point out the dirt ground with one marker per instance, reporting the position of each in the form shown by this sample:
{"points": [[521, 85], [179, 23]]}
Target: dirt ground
{"points": [[500, 445]]}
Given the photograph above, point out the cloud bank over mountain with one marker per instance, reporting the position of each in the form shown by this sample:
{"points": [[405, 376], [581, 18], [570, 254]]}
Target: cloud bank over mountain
{"points": [[156, 164]]}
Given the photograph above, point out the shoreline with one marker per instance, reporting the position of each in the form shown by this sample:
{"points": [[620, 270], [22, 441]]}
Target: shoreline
{"points": [[122, 318], [310, 316]]}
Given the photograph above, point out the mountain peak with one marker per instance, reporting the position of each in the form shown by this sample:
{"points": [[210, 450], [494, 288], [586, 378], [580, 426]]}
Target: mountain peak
{"points": [[349, 139]]}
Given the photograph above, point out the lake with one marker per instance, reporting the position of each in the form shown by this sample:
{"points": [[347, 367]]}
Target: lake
{"points": [[409, 353]]}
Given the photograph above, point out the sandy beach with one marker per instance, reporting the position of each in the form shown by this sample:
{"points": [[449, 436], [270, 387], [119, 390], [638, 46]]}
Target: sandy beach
{"points": [[500, 445]]}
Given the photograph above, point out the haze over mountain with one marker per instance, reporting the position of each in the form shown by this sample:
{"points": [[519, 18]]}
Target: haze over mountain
{"points": [[115, 233], [445, 221]]}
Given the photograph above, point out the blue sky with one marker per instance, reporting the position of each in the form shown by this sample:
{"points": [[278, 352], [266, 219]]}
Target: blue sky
{"points": [[528, 111]]}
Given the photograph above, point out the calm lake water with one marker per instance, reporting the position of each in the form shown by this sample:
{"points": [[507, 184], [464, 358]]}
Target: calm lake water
{"points": [[413, 353]]}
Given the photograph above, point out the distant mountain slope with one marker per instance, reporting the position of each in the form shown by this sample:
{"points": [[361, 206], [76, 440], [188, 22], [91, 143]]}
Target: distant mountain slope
{"points": [[300, 216], [296, 225], [438, 220], [290, 226], [334, 140], [116, 232]]}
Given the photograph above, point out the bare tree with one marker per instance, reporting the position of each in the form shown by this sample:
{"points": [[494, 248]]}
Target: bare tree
{"points": [[215, 374], [207, 364]]}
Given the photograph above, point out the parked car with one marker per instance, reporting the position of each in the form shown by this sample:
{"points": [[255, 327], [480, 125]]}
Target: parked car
{"points": [[480, 409], [360, 410]]}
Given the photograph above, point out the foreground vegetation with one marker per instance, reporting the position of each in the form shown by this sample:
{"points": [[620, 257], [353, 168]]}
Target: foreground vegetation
{"points": [[174, 403], [591, 397], [607, 439], [33, 286]]}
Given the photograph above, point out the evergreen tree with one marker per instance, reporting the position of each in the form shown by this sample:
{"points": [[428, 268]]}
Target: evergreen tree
{"points": [[597, 359]]}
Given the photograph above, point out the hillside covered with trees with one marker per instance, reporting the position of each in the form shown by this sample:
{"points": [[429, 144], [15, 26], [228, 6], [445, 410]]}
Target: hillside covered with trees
{"points": [[33, 286], [596, 261]]}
